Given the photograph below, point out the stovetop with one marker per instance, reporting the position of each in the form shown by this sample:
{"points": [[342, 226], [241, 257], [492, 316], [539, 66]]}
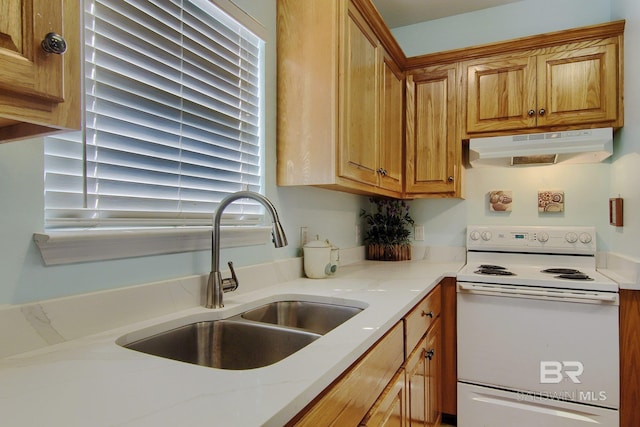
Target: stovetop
{"points": [[520, 256]]}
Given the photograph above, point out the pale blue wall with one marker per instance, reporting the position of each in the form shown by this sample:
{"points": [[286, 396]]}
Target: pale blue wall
{"points": [[626, 165], [523, 18]]}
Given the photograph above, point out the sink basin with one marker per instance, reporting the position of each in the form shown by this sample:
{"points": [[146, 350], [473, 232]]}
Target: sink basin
{"points": [[225, 344], [253, 339], [310, 316]]}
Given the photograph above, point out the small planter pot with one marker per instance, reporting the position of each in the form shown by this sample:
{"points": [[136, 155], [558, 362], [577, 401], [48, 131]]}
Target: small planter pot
{"points": [[381, 252]]}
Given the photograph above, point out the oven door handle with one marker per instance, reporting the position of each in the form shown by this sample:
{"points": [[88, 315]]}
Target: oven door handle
{"points": [[501, 290]]}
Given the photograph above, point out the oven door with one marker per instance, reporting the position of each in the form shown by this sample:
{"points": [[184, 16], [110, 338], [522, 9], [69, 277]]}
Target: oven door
{"points": [[544, 343]]}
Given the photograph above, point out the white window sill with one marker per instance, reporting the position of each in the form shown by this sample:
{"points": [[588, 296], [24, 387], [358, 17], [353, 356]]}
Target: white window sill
{"points": [[66, 247]]}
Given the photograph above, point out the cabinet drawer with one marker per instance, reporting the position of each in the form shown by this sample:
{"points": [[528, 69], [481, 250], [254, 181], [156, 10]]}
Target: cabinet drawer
{"points": [[420, 319], [347, 401]]}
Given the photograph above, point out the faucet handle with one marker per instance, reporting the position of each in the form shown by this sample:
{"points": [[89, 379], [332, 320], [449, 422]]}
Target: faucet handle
{"points": [[231, 283]]}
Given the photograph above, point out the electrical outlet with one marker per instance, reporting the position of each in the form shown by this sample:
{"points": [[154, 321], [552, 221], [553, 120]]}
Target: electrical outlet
{"points": [[418, 232], [304, 235]]}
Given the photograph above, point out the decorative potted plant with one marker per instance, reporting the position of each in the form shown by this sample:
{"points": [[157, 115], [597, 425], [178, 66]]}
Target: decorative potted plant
{"points": [[388, 230]]}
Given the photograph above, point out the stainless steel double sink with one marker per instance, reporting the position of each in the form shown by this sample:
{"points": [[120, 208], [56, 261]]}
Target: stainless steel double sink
{"points": [[255, 338]]}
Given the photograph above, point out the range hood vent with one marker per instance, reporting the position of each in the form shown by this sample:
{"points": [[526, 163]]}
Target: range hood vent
{"points": [[575, 146]]}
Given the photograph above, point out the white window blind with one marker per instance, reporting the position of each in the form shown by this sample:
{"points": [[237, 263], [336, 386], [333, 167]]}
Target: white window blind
{"points": [[173, 119]]}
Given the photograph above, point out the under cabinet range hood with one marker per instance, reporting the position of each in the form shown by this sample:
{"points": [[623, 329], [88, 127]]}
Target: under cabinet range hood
{"points": [[574, 146]]}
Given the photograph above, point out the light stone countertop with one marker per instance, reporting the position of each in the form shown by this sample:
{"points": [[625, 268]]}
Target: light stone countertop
{"points": [[624, 270], [91, 381]]}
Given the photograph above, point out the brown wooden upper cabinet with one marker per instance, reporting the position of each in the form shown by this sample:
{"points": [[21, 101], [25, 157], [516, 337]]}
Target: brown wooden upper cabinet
{"points": [[39, 67], [360, 128], [355, 114], [433, 145], [340, 100], [574, 84], [391, 173]]}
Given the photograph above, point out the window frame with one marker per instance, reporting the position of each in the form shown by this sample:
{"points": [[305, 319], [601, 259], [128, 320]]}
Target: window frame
{"points": [[84, 245]]}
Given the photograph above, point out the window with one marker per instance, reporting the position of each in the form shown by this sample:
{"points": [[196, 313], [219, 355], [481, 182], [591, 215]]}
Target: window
{"points": [[173, 104]]}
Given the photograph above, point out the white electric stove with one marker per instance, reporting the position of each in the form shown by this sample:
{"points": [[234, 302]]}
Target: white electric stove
{"points": [[537, 330]]}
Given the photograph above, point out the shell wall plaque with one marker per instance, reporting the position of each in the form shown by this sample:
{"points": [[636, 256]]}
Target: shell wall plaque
{"points": [[550, 201], [500, 201]]}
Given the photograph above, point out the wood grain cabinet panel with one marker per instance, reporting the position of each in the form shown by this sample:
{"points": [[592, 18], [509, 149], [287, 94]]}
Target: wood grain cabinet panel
{"points": [[420, 319], [391, 126], [26, 68], [629, 358], [449, 352], [423, 369], [39, 91], [390, 410], [347, 402], [338, 102], [359, 147], [577, 84], [500, 94], [433, 145]]}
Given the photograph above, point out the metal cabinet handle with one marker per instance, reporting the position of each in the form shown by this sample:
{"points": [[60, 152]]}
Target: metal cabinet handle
{"points": [[542, 112], [430, 354], [429, 314], [531, 113], [54, 43], [450, 179]]}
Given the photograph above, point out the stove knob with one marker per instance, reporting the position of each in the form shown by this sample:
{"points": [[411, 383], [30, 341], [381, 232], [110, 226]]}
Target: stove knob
{"points": [[486, 236], [585, 238], [474, 235], [543, 237], [571, 237]]}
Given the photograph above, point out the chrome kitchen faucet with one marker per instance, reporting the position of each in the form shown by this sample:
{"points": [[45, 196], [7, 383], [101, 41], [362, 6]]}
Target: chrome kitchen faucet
{"points": [[216, 285]]}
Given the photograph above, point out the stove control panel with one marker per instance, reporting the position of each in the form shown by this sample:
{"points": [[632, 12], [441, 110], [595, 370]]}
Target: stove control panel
{"points": [[537, 239]]}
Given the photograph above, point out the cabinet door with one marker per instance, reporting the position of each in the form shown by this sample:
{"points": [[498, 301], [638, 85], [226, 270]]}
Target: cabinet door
{"points": [[449, 353], [347, 401], [434, 356], [358, 152], [392, 130], [26, 68], [423, 380], [417, 370], [433, 149], [578, 86], [501, 94], [390, 408]]}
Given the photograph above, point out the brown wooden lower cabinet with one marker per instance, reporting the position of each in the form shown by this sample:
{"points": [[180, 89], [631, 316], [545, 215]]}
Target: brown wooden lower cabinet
{"points": [[423, 380], [629, 358], [390, 410], [449, 347], [349, 399], [398, 382]]}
